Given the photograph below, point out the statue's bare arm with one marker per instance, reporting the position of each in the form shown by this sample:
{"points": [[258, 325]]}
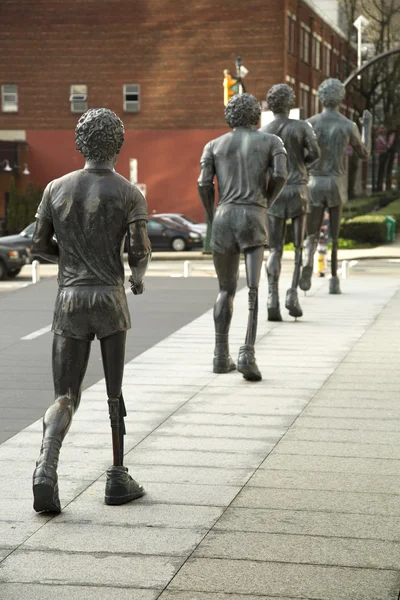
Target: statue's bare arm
{"points": [[43, 244], [206, 190], [279, 177], [139, 254], [362, 145]]}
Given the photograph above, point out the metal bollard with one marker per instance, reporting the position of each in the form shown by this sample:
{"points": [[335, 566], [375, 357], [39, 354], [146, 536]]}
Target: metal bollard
{"points": [[187, 267], [264, 270], [35, 271], [345, 269]]}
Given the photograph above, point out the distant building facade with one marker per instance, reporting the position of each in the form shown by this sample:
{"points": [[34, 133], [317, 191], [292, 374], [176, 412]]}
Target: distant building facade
{"points": [[159, 65]]}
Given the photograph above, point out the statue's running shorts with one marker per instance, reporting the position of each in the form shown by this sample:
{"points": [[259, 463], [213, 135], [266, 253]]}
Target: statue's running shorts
{"points": [[85, 311], [238, 227], [327, 192], [292, 202]]}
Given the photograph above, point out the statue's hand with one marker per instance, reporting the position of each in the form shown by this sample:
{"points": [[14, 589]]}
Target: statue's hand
{"points": [[366, 118], [137, 288]]}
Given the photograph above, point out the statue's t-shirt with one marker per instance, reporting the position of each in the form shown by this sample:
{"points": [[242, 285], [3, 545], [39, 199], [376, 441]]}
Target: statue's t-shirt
{"points": [[242, 161], [90, 210]]}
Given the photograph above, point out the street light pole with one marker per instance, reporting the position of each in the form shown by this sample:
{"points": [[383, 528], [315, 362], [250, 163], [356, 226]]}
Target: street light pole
{"points": [[359, 24]]}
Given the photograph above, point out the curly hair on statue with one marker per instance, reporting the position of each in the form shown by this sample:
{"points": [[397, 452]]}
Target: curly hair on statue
{"points": [[331, 92], [99, 134], [280, 98], [243, 110]]}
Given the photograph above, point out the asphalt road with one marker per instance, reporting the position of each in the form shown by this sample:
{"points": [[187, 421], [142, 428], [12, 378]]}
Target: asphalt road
{"points": [[170, 302], [25, 365]]}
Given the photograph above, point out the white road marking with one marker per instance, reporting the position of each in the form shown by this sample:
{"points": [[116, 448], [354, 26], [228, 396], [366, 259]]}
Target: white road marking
{"points": [[37, 333]]}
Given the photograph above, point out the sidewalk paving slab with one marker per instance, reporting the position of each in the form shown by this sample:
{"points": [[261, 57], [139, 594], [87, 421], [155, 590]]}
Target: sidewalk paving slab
{"points": [[286, 489]]}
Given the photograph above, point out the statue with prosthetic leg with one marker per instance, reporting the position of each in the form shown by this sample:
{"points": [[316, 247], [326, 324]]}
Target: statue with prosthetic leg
{"points": [[328, 177], [303, 151], [241, 161], [90, 211]]}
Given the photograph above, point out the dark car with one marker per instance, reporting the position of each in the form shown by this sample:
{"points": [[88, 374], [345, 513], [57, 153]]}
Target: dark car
{"points": [[166, 235], [20, 240], [12, 259]]}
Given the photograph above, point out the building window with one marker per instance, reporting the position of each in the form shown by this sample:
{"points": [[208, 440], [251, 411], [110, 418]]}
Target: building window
{"points": [[326, 67], [290, 81], [291, 36], [131, 97], [316, 51], [315, 102], [9, 98], [304, 98], [305, 43], [78, 98]]}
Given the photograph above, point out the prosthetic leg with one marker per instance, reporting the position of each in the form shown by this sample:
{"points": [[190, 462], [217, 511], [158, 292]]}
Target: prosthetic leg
{"points": [[314, 223], [120, 487], [292, 298], [246, 362], [335, 214], [276, 234]]}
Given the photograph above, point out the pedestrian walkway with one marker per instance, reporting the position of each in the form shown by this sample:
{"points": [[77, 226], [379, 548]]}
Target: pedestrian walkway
{"points": [[284, 489]]}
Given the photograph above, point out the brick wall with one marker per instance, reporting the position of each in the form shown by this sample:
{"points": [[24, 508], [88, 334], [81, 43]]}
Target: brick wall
{"points": [[175, 49]]}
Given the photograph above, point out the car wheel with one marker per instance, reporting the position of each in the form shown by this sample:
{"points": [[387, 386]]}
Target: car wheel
{"points": [[13, 273], [3, 270], [178, 244]]}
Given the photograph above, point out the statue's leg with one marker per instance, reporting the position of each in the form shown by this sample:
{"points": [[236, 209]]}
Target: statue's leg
{"points": [[70, 358], [276, 240], [227, 269], [246, 362], [314, 223], [292, 299], [335, 215], [120, 487]]}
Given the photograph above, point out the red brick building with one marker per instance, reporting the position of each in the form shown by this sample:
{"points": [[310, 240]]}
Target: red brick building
{"points": [[159, 65]]}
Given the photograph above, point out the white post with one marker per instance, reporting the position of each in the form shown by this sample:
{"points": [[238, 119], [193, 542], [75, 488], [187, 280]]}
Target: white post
{"points": [[35, 271], [345, 269], [264, 270], [187, 268]]}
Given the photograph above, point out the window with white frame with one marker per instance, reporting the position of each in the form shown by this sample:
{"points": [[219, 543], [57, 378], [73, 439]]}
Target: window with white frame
{"points": [[290, 80], [305, 43], [78, 98], [326, 67], [315, 102], [131, 94], [9, 98], [304, 98], [316, 51], [291, 34]]}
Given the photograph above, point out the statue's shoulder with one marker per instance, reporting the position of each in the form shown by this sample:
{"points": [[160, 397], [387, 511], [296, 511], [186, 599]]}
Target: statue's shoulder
{"points": [[65, 180]]}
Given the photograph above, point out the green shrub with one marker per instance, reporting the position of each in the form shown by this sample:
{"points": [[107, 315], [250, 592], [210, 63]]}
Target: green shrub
{"points": [[360, 206], [369, 229], [391, 210]]}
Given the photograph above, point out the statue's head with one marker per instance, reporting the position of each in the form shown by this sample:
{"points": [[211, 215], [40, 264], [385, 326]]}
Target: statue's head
{"points": [[99, 134], [243, 110], [280, 98], [331, 93]]}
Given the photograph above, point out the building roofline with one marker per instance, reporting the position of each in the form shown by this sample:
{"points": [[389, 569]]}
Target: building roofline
{"points": [[325, 18]]}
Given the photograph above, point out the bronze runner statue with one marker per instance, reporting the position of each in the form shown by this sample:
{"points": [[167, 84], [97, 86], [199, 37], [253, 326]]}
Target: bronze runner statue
{"points": [[328, 177], [89, 212], [303, 151], [241, 161]]}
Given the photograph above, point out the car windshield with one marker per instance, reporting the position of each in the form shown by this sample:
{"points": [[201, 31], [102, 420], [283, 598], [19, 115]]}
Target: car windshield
{"points": [[192, 221], [167, 221], [28, 231]]}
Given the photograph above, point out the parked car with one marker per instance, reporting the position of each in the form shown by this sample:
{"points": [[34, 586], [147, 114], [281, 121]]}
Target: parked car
{"points": [[184, 220], [20, 240], [12, 259], [167, 235]]}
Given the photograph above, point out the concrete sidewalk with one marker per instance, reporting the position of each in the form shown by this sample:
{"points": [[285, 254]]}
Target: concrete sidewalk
{"points": [[284, 489]]}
